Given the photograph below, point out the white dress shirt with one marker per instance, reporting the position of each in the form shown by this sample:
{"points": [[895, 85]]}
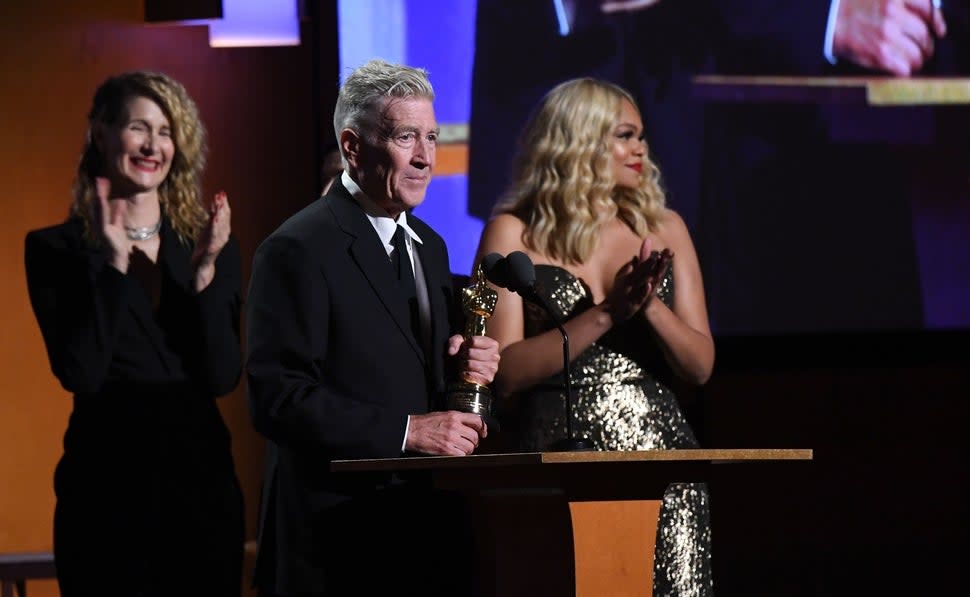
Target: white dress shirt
{"points": [[386, 226]]}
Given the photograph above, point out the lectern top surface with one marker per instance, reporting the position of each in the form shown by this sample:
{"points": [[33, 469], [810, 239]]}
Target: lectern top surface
{"points": [[715, 456]]}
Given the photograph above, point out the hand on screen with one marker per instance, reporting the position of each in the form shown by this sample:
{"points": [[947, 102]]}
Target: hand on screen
{"points": [[895, 36]]}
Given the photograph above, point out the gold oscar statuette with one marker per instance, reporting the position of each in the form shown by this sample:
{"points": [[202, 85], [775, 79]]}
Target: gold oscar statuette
{"points": [[478, 302]]}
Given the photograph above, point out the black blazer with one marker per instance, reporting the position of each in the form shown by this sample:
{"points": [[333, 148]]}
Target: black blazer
{"points": [[146, 444], [99, 327], [333, 370], [107, 345]]}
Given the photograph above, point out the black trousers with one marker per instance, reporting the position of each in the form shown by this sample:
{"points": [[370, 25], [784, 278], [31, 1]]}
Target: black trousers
{"points": [[398, 541], [115, 543]]}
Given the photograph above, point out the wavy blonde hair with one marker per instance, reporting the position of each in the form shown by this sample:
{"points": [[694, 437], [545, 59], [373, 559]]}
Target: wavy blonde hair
{"points": [[562, 178], [180, 193]]}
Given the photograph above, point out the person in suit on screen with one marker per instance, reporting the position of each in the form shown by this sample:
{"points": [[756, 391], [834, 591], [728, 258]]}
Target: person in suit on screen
{"points": [[734, 200]]}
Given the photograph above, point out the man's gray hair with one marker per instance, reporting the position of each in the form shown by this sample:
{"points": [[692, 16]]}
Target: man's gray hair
{"points": [[364, 93]]}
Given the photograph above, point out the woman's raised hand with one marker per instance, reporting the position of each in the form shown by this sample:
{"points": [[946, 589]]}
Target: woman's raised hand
{"points": [[637, 281], [110, 215], [211, 240]]}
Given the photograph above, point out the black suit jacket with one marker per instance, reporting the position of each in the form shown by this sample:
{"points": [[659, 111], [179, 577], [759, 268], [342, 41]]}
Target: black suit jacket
{"points": [[334, 371], [99, 326], [147, 463]]}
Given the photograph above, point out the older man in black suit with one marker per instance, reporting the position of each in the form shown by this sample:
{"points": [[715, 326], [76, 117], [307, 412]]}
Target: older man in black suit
{"points": [[349, 327]]}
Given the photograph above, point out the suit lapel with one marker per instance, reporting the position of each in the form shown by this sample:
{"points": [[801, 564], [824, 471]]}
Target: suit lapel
{"points": [[435, 265], [370, 257]]}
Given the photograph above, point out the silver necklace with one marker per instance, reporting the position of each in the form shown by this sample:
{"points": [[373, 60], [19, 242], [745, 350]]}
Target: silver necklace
{"points": [[143, 233]]}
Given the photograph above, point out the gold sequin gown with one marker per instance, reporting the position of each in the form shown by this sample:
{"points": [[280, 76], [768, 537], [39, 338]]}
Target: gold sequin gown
{"points": [[622, 403]]}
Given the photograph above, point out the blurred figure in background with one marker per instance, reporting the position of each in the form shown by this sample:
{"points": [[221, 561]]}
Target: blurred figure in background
{"points": [[330, 167]]}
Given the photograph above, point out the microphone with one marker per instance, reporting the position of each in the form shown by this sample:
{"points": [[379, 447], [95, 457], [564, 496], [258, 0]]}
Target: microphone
{"points": [[517, 273], [514, 272], [496, 270]]}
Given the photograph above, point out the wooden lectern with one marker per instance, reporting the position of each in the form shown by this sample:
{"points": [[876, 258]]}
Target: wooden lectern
{"points": [[569, 523]]}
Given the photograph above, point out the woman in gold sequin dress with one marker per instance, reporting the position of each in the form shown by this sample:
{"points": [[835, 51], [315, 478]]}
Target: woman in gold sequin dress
{"points": [[585, 204]]}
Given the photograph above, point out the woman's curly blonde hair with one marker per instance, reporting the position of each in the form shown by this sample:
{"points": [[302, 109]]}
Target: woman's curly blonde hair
{"points": [[179, 194], [562, 179]]}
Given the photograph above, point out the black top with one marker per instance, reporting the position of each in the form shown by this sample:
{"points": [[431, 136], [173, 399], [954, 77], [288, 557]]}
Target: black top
{"points": [[144, 379]]}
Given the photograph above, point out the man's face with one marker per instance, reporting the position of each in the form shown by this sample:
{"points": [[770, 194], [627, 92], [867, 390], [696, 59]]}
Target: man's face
{"points": [[393, 166]]}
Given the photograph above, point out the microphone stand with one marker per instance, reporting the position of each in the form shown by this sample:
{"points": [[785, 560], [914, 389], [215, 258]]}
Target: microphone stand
{"points": [[517, 273], [570, 443]]}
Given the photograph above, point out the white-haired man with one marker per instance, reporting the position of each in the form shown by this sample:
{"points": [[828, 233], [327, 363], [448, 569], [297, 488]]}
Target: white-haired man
{"points": [[348, 346]]}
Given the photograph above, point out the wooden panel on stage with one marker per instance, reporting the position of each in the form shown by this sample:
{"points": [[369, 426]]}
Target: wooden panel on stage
{"points": [[569, 523], [873, 91], [629, 528]]}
